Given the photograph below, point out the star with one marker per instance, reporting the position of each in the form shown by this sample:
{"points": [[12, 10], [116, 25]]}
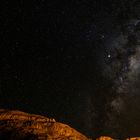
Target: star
{"points": [[109, 56]]}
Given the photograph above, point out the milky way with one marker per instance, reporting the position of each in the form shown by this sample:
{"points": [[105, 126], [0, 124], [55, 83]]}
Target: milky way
{"points": [[122, 66]]}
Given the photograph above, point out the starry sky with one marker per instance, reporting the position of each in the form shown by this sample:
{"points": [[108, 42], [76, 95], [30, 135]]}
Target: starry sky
{"points": [[77, 61]]}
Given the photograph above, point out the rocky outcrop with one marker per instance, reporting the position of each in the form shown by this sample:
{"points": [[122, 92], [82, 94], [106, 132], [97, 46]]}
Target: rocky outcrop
{"points": [[17, 125], [104, 138]]}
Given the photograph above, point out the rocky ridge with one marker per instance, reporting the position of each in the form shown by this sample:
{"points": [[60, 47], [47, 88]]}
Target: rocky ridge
{"points": [[16, 125]]}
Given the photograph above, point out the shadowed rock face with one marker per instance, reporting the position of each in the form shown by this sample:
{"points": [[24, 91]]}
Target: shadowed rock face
{"points": [[17, 125]]}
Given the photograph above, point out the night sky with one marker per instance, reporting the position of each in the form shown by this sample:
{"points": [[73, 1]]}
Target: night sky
{"points": [[77, 61]]}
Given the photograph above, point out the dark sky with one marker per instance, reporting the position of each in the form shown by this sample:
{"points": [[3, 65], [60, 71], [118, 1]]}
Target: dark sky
{"points": [[52, 57]]}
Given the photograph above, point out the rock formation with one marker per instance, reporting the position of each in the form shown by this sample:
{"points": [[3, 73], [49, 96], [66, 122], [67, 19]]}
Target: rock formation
{"points": [[17, 125]]}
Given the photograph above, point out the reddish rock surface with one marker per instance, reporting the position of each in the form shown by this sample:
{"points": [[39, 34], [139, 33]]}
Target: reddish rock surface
{"points": [[17, 125]]}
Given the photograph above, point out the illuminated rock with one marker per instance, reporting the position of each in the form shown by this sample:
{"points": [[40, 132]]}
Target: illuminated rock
{"points": [[104, 138], [135, 138], [16, 125]]}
